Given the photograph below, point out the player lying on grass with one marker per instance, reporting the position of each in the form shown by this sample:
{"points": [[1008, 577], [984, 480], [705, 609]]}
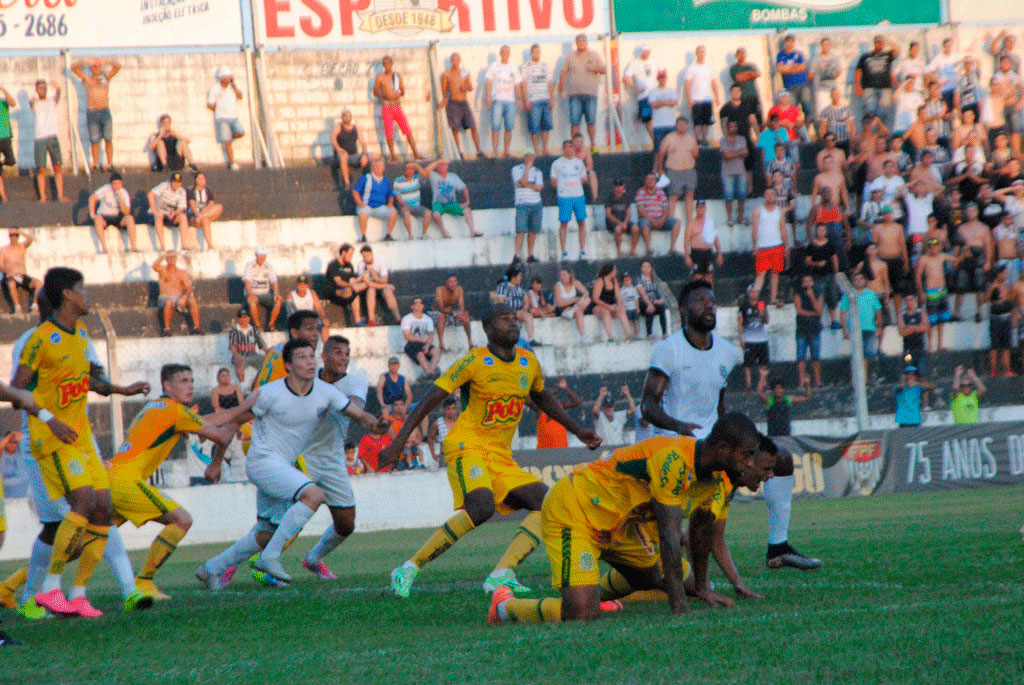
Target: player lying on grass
{"points": [[286, 416], [150, 439], [587, 516], [496, 381], [708, 512]]}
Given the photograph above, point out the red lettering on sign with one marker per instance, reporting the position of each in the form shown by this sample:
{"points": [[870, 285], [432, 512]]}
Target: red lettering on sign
{"points": [[31, 4], [541, 10], [72, 390], [325, 25], [586, 16], [503, 410], [488, 8], [513, 15], [347, 8], [270, 10], [461, 10]]}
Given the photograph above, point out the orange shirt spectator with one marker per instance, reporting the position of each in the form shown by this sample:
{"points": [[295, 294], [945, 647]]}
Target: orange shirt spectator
{"points": [[369, 447], [550, 433]]}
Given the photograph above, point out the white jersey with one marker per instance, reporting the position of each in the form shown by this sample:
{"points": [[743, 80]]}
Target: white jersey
{"points": [[285, 422], [695, 379], [328, 441]]}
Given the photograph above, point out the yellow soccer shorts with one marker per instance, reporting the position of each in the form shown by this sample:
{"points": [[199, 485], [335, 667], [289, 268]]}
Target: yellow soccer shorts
{"points": [[469, 470], [573, 547], [138, 501], [68, 468], [3, 509]]}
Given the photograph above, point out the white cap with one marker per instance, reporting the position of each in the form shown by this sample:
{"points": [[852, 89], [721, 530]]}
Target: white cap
{"points": [[224, 72], [645, 47], [261, 251]]}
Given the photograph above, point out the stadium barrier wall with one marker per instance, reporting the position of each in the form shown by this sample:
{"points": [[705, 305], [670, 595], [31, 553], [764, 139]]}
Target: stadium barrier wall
{"points": [[904, 460]]}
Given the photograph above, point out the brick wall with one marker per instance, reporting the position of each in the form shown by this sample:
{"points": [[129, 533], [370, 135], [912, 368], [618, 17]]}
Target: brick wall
{"points": [[305, 92]]}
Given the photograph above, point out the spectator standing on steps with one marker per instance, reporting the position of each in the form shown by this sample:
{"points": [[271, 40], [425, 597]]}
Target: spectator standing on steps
{"points": [[12, 268], [567, 175], [580, 81], [175, 293], [262, 288], [608, 423], [825, 73], [664, 102], [792, 66], [47, 145], [639, 79], [873, 81], [349, 147], [771, 244], [745, 74], [703, 93], [440, 428], [677, 159], [450, 307], [374, 273], [203, 210], [528, 182], [110, 205], [168, 203], [7, 158], [914, 327], [778, 405], [753, 326], [418, 331], [456, 85], [245, 344], [389, 87], [809, 306], [967, 389], [735, 152], [98, 120], [870, 309], [539, 92], [504, 91], [550, 433], [222, 99]]}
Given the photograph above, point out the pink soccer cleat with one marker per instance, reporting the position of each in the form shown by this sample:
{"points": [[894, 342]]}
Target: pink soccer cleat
{"points": [[610, 606], [83, 608], [56, 602], [500, 595], [319, 568]]}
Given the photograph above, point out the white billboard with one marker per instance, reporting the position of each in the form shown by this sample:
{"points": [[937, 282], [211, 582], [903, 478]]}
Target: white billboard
{"points": [[58, 24]]}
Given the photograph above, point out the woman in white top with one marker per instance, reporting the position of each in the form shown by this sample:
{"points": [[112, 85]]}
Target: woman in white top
{"points": [[303, 298], [608, 302], [571, 300]]}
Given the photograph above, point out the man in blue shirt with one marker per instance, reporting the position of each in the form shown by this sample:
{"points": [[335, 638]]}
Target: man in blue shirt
{"points": [[769, 137], [911, 395], [375, 197], [792, 66], [869, 307]]}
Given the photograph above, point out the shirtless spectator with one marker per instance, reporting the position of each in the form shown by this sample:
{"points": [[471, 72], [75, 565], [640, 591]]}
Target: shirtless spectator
{"points": [[837, 227], [677, 159], [262, 288], [876, 274], [110, 205], [1007, 245], [701, 247], [168, 204], [917, 134], [97, 108], [389, 87], [832, 150], [1000, 323], [349, 147], [831, 177], [245, 344], [450, 307], [343, 288], [652, 208], [930, 280], [975, 257], [47, 145], [456, 85], [202, 209], [863, 167], [175, 293], [12, 265], [892, 249], [925, 170], [374, 273], [170, 147]]}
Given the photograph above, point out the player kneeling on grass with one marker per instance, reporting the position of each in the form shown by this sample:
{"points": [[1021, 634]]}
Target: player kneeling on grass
{"points": [[497, 380], [708, 509], [151, 437], [286, 417], [586, 515]]}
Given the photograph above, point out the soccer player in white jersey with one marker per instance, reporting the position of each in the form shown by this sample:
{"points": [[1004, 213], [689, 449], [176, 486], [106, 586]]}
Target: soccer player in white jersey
{"points": [[324, 456], [52, 512], [286, 417], [684, 393]]}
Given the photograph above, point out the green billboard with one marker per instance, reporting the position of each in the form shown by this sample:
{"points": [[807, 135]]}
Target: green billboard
{"points": [[728, 15]]}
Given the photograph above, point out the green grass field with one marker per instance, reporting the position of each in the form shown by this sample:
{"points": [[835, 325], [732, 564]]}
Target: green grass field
{"points": [[922, 588]]}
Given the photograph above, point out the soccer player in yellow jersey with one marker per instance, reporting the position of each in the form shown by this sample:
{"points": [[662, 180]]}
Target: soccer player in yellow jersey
{"points": [[587, 514], [55, 366], [151, 437], [303, 324], [496, 381]]}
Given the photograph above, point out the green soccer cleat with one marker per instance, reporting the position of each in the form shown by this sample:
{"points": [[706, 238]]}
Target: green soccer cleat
{"points": [[402, 579], [504, 578], [32, 611], [252, 560], [138, 601]]}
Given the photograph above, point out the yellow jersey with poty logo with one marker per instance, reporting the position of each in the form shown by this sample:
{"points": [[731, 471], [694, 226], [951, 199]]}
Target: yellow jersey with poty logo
{"points": [[152, 435], [713, 495], [59, 359], [619, 488], [494, 394], [272, 368]]}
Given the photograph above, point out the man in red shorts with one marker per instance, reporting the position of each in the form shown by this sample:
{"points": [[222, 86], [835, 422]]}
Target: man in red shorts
{"points": [[389, 87], [771, 247]]}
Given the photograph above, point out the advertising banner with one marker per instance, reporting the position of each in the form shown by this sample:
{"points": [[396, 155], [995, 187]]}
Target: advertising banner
{"points": [[59, 24], [728, 15], [969, 11], [305, 23]]}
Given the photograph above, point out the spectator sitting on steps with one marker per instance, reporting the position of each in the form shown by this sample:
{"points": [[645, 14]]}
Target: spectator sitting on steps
{"points": [[446, 187], [261, 288], [12, 268], [343, 287], [374, 273], [245, 344], [175, 293], [450, 309], [375, 197], [391, 386], [168, 203], [110, 205], [418, 331], [303, 298], [202, 210], [170, 148], [349, 147]]}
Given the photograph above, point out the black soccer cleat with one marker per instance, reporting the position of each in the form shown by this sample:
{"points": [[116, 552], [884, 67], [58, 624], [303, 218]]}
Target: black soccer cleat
{"points": [[788, 556], [8, 641]]}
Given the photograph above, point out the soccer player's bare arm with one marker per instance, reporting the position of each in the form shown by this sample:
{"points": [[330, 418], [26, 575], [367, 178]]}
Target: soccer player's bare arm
{"points": [[221, 435], [701, 533], [393, 452], [550, 405], [101, 385], [235, 416], [723, 557], [655, 385], [669, 520], [367, 420], [60, 430]]}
